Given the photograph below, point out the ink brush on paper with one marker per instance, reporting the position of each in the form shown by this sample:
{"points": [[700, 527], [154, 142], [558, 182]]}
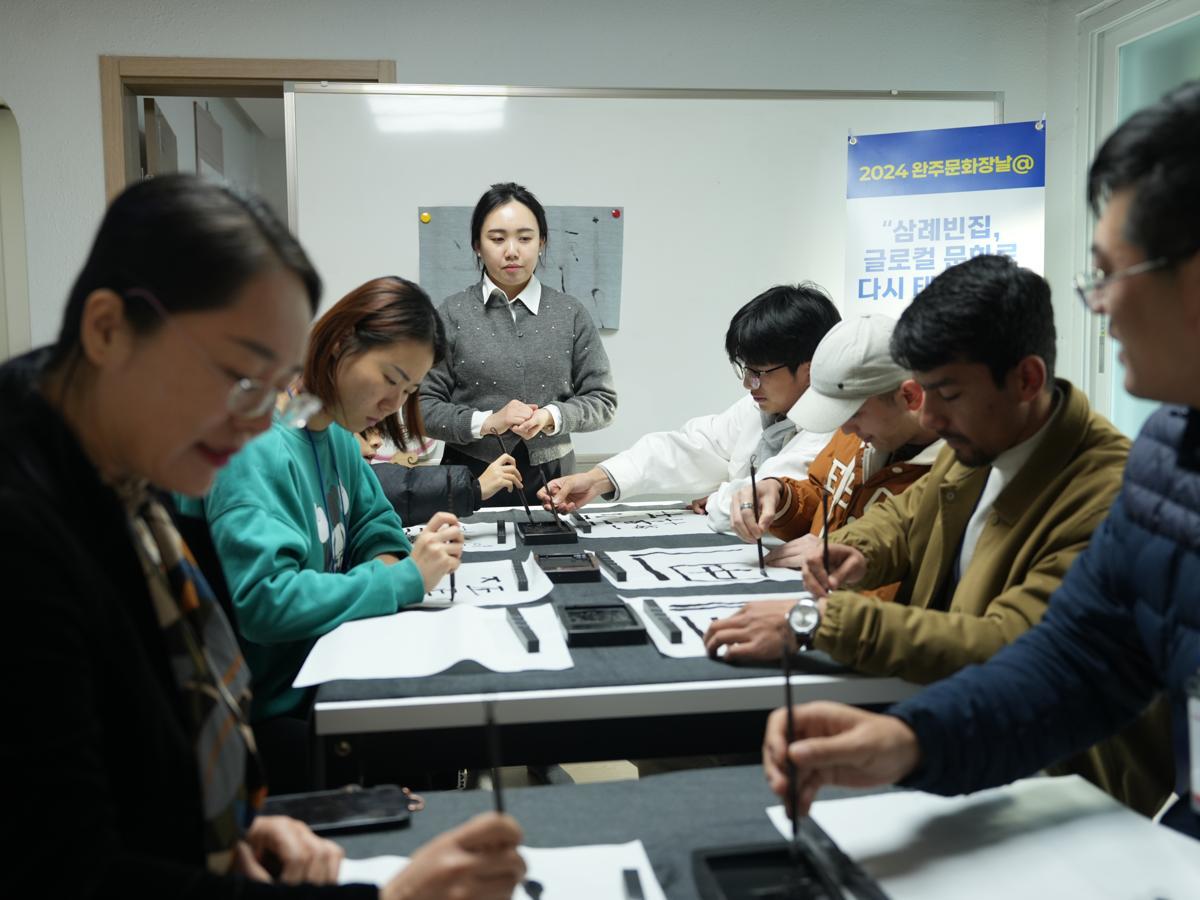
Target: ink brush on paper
{"points": [[823, 867], [762, 565], [493, 742], [449, 490], [825, 532], [533, 888], [520, 491], [546, 487], [793, 787]]}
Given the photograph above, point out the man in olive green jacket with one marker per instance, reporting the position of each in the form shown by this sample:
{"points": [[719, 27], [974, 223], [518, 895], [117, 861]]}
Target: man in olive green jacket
{"points": [[942, 621], [980, 543]]}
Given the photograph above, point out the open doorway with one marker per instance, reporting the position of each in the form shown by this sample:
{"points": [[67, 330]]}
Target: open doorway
{"points": [[206, 84], [233, 139]]}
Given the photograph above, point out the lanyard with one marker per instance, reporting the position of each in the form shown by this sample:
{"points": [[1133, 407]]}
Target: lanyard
{"points": [[325, 499]]}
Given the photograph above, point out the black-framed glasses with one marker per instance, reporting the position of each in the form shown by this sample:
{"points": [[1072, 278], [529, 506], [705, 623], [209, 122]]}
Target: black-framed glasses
{"points": [[741, 370], [248, 398], [1089, 286]]}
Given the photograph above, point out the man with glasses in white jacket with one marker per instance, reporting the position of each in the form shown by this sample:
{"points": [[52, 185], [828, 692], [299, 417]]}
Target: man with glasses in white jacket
{"points": [[770, 343]]}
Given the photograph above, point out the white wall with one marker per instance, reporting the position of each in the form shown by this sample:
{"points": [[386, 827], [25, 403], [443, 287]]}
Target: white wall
{"points": [[49, 72]]}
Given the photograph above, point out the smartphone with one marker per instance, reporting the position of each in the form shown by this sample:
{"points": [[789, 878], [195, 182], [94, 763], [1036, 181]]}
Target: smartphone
{"points": [[346, 810]]}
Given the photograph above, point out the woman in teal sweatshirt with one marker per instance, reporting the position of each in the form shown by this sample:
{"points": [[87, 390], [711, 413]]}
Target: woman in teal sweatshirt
{"points": [[306, 537]]}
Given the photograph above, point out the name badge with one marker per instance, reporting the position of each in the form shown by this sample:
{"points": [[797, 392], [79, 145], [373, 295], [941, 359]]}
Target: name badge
{"points": [[1193, 691]]}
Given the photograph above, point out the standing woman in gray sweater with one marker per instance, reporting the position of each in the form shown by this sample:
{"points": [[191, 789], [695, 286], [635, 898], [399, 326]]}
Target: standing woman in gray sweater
{"points": [[524, 361]]}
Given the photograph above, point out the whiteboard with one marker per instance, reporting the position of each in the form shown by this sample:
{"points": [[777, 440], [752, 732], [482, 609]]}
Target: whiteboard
{"points": [[724, 194]]}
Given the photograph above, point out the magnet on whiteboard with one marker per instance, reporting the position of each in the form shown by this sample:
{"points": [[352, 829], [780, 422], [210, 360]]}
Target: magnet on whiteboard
{"points": [[425, 217], [616, 214]]}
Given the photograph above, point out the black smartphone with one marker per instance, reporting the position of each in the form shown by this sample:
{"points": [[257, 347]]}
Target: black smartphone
{"points": [[344, 811]]}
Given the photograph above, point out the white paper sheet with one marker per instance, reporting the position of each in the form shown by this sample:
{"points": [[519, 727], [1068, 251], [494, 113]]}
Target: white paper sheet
{"points": [[416, 643], [590, 872], [478, 537], [693, 614], [1041, 837], [694, 567], [641, 523], [491, 583]]}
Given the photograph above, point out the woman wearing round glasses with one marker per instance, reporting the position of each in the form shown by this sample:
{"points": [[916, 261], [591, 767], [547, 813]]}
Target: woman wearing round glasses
{"points": [[133, 757]]}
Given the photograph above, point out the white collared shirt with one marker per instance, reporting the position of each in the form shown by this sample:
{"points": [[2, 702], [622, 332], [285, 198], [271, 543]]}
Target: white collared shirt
{"points": [[531, 296], [1004, 469]]}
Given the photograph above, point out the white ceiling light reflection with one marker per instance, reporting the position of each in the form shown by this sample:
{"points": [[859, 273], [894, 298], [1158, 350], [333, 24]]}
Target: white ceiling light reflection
{"points": [[426, 114]]}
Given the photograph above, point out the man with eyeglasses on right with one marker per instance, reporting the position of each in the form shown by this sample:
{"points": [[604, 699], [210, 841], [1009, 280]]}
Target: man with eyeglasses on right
{"points": [[1125, 624]]}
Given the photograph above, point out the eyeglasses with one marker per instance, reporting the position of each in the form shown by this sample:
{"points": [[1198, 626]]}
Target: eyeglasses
{"points": [[1090, 285], [248, 398], [756, 375]]}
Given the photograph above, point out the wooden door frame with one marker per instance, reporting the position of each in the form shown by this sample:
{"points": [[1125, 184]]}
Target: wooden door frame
{"points": [[124, 78]]}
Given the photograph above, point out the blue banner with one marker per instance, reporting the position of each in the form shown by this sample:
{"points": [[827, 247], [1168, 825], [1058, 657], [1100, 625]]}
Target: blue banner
{"points": [[947, 160]]}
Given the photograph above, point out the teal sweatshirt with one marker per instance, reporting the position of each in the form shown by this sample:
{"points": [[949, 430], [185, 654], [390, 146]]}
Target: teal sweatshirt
{"points": [[290, 582]]}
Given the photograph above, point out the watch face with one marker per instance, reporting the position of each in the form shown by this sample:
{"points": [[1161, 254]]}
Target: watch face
{"points": [[804, 618]]}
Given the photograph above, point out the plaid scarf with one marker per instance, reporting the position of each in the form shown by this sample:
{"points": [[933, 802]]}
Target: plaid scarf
{"points": [[212, 677]]}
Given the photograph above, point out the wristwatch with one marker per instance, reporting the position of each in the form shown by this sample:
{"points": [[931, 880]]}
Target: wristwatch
{"points": [[804, 619]]}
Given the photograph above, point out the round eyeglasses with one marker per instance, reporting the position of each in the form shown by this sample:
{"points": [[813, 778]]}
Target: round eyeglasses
{"points": [[248, 398]]}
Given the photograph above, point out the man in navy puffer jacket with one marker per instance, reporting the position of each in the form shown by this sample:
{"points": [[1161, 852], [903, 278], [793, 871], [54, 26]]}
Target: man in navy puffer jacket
{"points": [[1125, 624]]}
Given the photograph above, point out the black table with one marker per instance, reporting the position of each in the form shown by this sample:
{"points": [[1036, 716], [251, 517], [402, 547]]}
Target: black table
{"points": [[671, 814], [616, 703]]}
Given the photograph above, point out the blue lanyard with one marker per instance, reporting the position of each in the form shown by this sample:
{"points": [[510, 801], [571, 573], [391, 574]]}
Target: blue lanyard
{"points": [[325, 500]]}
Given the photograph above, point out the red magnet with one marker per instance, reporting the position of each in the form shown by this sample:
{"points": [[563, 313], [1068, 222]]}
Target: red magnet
{"points": [[616, 214]]}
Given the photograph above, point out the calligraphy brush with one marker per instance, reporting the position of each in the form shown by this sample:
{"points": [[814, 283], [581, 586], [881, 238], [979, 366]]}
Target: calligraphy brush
{"points": [[793, 787], [825, 531], [762, 565], [493, 742], [524, 502], [533, 888], [824, 868], [449, 494], [546, 487]]}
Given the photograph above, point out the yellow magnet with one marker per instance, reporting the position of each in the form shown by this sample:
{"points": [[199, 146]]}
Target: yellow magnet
{"points": [[425, 217]]}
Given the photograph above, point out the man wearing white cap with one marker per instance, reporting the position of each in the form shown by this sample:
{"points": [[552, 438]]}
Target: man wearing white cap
{"points": [[880, 449], [880, 446]]}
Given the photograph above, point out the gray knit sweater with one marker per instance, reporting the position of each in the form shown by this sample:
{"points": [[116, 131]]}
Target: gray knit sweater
{"points": [[553, 357]]}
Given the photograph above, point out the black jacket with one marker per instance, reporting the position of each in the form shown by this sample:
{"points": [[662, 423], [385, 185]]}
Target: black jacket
{"points": [[419, 492], [103, 796]]}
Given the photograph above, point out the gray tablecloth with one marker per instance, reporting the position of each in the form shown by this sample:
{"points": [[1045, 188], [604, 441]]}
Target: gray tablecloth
{"points": [[594, 667], [672, 814]]}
